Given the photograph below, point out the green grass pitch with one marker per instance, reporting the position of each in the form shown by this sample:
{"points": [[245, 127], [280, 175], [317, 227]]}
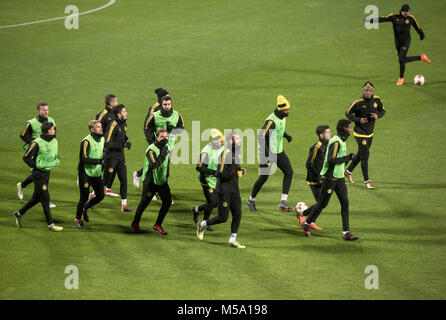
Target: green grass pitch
{"points": [[225, 62]]}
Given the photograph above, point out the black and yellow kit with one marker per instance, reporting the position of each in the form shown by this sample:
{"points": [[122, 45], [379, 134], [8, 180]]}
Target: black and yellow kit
{"points": [[153, 162], [149, 135], [270, 154], [114, 158], [401, 31], [363, 133], [207, 168], [314, 165], [331, 181], [32, 131], [41, 160], [106, 117], [86, 178], [227, 189]]}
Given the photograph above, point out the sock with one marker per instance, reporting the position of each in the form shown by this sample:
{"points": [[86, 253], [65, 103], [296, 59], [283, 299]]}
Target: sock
{"points": [[346, 170], [284, 197], [252, 199], [50, 225], [344, 232], [124, 201], [366, 181], [196, 210], [203, 223], [232, 237], [94, 193]]}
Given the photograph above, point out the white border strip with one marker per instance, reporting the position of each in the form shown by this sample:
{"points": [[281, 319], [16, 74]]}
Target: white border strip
{"points": [[59, 18]]}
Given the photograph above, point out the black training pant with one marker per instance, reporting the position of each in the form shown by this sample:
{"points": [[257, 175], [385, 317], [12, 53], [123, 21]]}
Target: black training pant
{"points": [[85, 182], [284, 164], [41, 180], [316, 189], [148, 192], [328, 186], [211, 201], [402, 47], [117, 166], [364, 145], [226, 202], [27, 181]]}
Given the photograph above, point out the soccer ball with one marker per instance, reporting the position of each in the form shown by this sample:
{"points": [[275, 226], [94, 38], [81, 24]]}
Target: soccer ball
{"points": [[301, 207], [418, 80]]}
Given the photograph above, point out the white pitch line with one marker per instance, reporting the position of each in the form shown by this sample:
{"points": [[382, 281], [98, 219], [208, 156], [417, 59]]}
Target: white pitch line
{"points": [[59, 18]]}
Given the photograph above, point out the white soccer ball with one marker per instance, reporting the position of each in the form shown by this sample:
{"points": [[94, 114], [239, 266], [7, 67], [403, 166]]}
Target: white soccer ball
{"points": [[301, 207], [418, 80]]}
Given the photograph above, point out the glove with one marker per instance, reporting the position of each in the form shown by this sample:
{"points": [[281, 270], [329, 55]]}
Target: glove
{"points": [[350, 156], [288, 137], [265, 165], [127, 145], [422, 36], [169, 127], [213, 172]]}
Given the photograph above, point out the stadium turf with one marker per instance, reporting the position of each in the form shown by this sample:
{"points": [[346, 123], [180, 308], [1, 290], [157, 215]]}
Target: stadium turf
{"points": [[224, 63]]}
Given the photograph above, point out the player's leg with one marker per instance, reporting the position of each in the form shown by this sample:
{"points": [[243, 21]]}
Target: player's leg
{"points": [[29, 204], [356, 159], [121, 172], [316, 190], [342, 194], [109, 175], [27, 181], [166, 201], [365, 153], [314, 211], [284, 164], [98, 187], [223, 214], [236, 211], [44, 197], [146, 196], [84, 190]]}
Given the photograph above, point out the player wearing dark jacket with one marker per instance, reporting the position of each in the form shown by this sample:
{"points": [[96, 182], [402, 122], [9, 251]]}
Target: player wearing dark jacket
{"points": [[271, 151], [33, 131], [160, 93], [402, 21], [207, 168], [106, 116], [333, 180], [364, 112], [228, 193], [91, 156], [155, 180], [114, 158], [41, 156]]}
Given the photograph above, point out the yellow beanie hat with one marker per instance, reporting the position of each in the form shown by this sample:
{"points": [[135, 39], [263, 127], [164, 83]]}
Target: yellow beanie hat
{"points": [[282, 103], [215, 134]]}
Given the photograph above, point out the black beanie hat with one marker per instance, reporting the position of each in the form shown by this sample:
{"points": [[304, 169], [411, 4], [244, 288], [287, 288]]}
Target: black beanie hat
{"points": [[47, 126], [342, 124], [160, 92], [405, 8], [368, 84]]}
